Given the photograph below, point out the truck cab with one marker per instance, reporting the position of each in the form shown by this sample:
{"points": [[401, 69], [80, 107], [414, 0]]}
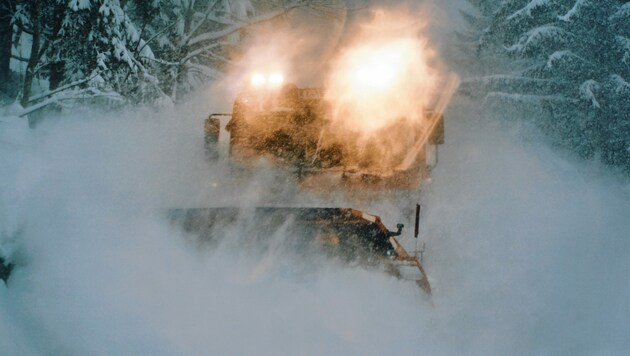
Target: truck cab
{"points": [[293, 128]]}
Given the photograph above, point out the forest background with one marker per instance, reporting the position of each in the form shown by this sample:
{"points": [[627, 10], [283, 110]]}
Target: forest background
{"points": [[560, 68]]}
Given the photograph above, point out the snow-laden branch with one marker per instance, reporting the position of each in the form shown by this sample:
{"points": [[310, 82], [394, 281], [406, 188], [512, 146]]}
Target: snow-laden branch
{"points": [[620, 86], [503, 78], [158, 34], [524, 98], [587, 92], [536, 37], [502, 8], [564, 56], [527, 10], [74, 95], [222, 20], [512, 83], [195, 27], [201, 50], [622, 14], [215, 35], [205, 70], [579, 4], [624, 44], [217, 57], [163, 62], [77, 5], [62, 88]]}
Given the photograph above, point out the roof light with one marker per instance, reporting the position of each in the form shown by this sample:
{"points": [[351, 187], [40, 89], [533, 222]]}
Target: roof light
{"points": [[258, 80], [275, 79]]}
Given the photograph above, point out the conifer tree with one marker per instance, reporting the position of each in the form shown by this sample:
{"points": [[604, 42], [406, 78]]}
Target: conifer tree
{"points": [[568, 58]]}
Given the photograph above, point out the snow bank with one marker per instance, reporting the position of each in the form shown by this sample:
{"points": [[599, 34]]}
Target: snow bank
{"points": [[100, 271], [527, 252], [528, 249]]}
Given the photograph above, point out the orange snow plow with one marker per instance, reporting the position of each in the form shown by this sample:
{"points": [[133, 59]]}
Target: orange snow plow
{"points": [[330, 143], [342, 234]]}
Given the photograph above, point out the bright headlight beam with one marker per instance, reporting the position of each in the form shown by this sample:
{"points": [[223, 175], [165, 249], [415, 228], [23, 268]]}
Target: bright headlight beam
{"points": [[375, 76], [377, 82], [378, 69], [258, 80], [275, 79]]}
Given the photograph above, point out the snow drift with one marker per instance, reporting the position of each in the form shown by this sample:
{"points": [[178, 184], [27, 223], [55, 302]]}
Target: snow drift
{"points": [[527, 252]]}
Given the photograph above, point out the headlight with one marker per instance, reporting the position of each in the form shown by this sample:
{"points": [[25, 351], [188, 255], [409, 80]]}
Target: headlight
{"points": [[376, 69], [375, 75], [260, 80], [275, 79]]}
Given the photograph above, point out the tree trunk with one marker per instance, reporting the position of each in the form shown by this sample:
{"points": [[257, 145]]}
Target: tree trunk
{"points": [[34, 59], [57, 75], [183, 51], [58, 67], [6, 41]]}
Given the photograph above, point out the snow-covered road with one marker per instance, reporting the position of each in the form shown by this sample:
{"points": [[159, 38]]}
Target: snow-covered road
{"points": [[528, 252]]}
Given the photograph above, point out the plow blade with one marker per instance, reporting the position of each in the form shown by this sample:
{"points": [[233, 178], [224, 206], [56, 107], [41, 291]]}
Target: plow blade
{"points": [[347, 234]]}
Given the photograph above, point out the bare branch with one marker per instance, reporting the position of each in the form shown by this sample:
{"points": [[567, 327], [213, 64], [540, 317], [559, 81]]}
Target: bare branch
{"points": [[196, 27], [158, 34], [161, 61], [62, 88], [21, 59], [213, 36], [201, 50], [78, 95]]}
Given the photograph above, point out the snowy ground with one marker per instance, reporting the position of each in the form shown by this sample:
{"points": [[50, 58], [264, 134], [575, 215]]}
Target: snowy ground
{"points": [[528, 252]]}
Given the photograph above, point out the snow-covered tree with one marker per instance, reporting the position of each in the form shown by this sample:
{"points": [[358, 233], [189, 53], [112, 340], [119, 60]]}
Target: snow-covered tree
{"points": [[99, 40], [569, 59], [78, 46], [192, 39], [132, 51], [6, 41]]}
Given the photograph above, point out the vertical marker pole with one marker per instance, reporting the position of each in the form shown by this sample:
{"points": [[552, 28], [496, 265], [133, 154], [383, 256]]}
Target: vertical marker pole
{"points": [[416, 231]]}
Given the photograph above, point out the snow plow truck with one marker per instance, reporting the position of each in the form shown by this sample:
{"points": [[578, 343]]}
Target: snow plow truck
{"points": [[292, 128]]}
